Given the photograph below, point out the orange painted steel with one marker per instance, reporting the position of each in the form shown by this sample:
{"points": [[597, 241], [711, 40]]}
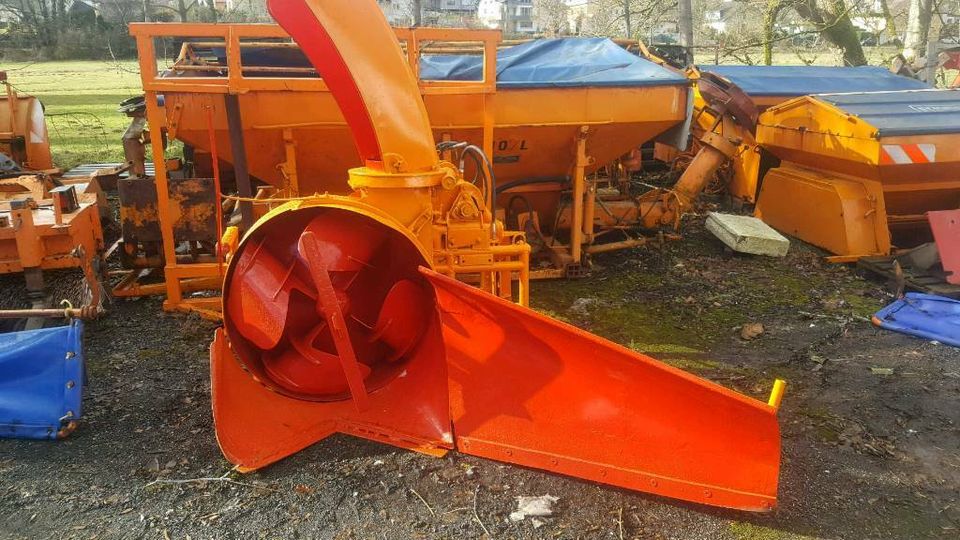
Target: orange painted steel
{"points": [[659, 208], [838, 188], [41, 227], [530, 132], [388, 121], [533, 391], [744, 173], [336, 320], [39, 231], [36, 238], [301, 136], [23, 129], [320, 298]]}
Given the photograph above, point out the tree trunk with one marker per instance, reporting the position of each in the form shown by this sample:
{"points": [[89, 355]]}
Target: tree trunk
{"points": [[183, 10], [46, 25], [918, 26], [835, 26], [770, 15], [891, 22], [417, 12], [626, 18], [686, 25]]}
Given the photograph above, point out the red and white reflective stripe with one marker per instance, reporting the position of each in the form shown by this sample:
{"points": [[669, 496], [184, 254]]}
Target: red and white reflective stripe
{"points": [[907, 154]]}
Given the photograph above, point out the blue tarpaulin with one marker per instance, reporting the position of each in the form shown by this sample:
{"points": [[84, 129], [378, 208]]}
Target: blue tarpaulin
{"points": [[558, 62], [41, 381], [794, 81], [923, 315]]}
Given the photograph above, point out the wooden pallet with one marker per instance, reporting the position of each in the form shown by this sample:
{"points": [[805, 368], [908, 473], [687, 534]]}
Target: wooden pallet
{"points": [[915, 280]]}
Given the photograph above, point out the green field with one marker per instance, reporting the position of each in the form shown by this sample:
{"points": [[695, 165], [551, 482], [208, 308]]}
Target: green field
{"points": [[81, 101]]}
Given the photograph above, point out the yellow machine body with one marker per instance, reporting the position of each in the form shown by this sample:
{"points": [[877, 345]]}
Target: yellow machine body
{"points": [[743, 179], [23, 129], [859, 171], [296, 137], [534, 130], [770, 86]]}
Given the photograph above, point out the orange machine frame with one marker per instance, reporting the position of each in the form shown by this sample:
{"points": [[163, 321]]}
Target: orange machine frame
{"points": [[181, 278]]}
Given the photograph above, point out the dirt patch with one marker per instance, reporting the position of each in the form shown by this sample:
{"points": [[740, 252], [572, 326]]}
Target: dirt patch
{"points": [[866, 453]]}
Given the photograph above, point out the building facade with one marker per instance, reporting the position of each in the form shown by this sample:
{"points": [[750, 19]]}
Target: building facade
{"points": [[454, 13], [514, 17], [451, 13]]}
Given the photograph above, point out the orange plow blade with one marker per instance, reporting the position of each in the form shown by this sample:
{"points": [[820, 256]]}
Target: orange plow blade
{"points": [[530, 390]]}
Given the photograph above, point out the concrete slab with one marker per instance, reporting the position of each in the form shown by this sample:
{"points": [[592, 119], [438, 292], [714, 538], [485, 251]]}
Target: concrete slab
{"points": [[747, 234]]}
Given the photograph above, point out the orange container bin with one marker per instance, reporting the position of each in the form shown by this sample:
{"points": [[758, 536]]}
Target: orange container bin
{"points": [[860, 171], [531, 129]]}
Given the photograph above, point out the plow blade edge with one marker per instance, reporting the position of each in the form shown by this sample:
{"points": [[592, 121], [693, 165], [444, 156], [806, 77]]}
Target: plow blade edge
{"points": [[530, 390]]}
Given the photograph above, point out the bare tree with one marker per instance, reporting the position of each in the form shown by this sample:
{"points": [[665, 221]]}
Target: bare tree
{"points": [[770, 14], [832, 20], [626, 18], [417, 8], [183, 8], [686, 23], [551, 16], [918, 29], [890, 20]]}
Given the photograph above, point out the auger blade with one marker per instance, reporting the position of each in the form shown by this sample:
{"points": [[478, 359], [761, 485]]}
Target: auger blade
{"points": [[353, 343], [260, 309], [530, 390]]}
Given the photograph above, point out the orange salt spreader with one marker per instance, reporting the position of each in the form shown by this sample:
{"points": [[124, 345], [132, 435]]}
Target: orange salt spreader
{"points": [[341, 315]]}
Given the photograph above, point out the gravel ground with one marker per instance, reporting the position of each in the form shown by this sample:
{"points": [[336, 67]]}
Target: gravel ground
{"points": [[865, 455]]}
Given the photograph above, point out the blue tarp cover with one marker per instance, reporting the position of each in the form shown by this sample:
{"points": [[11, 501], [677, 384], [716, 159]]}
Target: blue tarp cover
{"points": [[919, 112], [794, 81], [35, 380], [557, 62], [923, 315]]}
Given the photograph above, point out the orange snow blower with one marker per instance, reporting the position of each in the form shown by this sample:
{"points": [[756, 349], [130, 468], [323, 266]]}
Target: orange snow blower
{"points": [[342, 314]]}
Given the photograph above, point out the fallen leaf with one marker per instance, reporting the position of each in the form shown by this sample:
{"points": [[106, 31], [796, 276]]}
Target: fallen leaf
{"points": [[752, 331]]}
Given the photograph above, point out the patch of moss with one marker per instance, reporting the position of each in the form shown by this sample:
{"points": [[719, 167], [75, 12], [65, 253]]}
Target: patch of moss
{"points": [[661, 348], [826, 425], [612, 308], [552, 314], [749, 531], [862, 306], [692, 364]]}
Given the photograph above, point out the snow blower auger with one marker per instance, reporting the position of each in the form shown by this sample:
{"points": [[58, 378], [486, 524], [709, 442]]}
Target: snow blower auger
{"points": [[342, 314]]}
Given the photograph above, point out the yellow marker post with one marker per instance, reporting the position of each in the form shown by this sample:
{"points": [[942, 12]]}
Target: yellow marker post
{"points": [[776, 395]]}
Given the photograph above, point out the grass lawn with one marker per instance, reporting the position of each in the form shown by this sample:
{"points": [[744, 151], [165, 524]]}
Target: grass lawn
{"points": [[81, 101]]}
